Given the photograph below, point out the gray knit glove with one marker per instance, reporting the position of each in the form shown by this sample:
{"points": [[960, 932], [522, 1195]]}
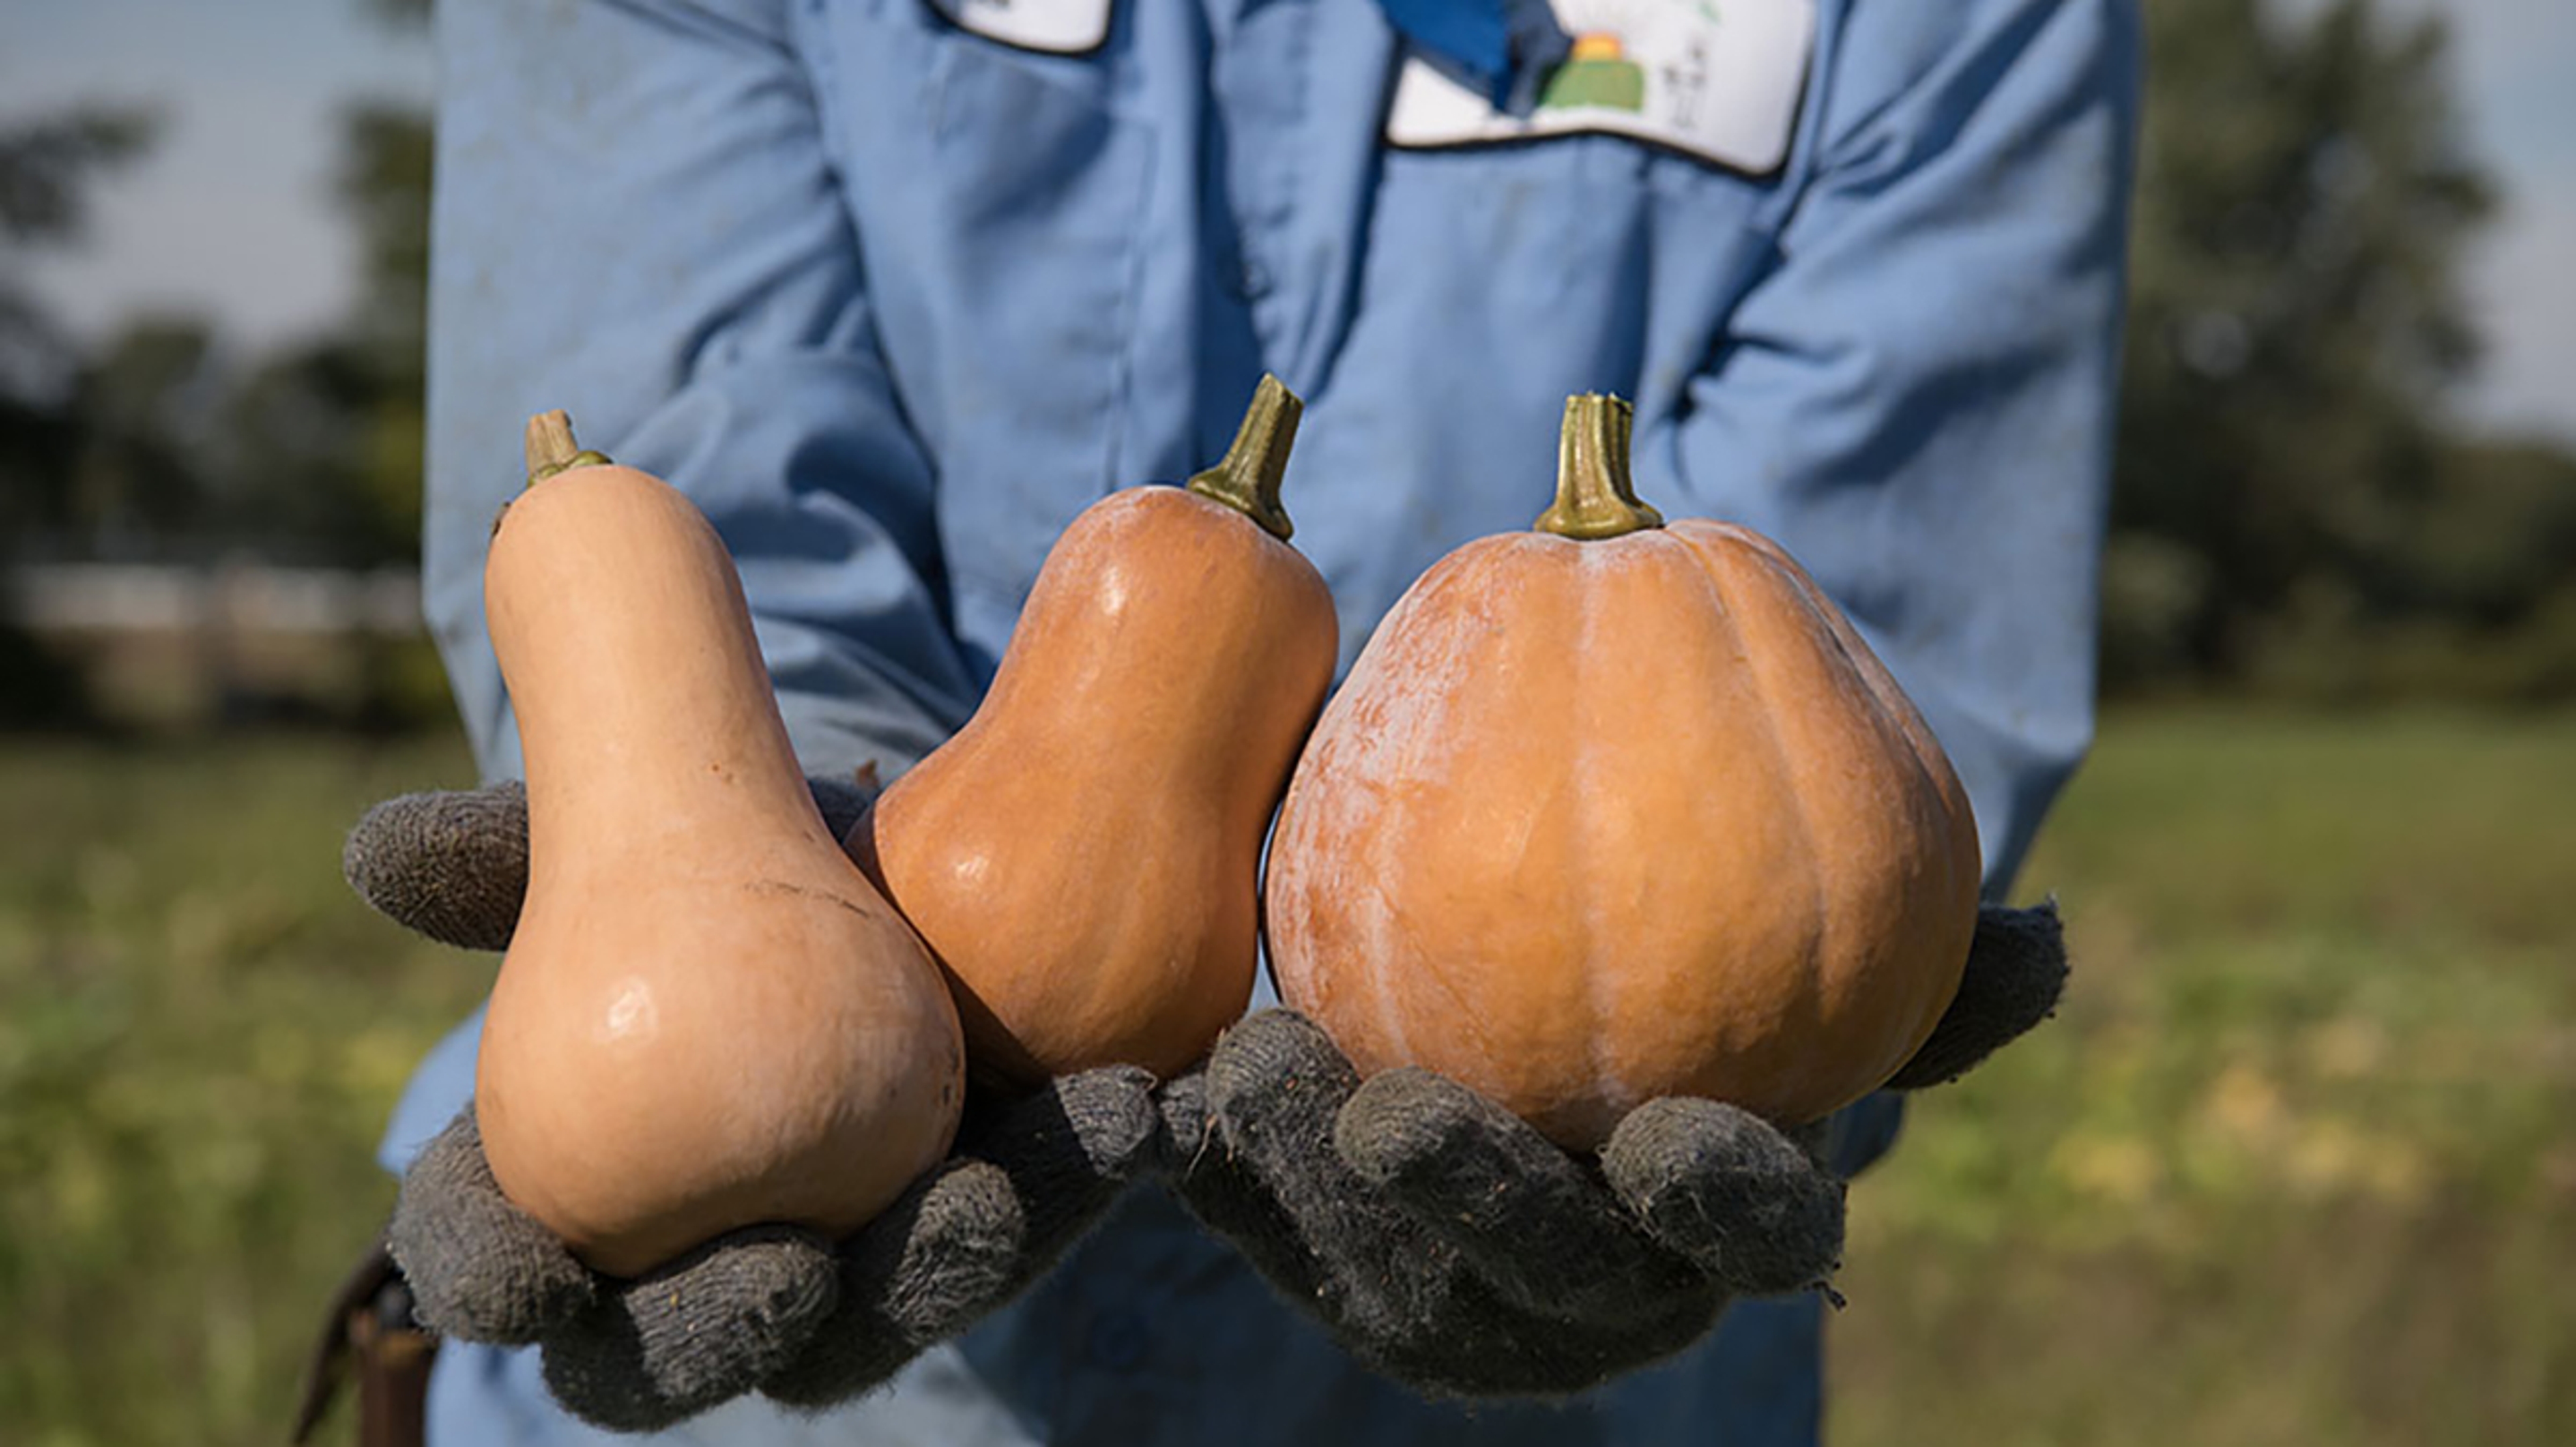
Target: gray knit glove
{"points": [[772, 1309], [1447, 1244]]}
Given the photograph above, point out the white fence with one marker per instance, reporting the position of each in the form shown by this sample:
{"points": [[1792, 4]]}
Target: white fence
{"points": [[247, 598]]}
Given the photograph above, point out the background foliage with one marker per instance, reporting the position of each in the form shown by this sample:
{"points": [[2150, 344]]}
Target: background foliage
{"points": [[2293, 1165], [2296, 513]]}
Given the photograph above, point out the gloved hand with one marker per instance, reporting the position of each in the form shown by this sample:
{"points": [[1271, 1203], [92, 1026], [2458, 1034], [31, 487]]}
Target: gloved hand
{"points": [[772, 1309], [1449, 1245]]}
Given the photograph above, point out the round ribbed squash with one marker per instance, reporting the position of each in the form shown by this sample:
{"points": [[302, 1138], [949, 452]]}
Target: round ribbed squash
{"points": [[707, 1017], [1616, 809], [1084, 855]]}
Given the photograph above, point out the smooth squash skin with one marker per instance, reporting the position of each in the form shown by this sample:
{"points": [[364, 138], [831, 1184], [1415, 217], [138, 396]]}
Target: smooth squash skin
{"points": [[1613, 810], [1084, 855], [707, 1017]]}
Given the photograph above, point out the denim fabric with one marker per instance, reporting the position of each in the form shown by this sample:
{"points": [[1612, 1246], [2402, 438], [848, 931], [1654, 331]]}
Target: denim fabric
{"points": [[893, 301]]}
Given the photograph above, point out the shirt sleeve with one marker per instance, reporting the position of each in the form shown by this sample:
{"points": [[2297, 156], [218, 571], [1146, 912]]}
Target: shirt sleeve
{"points": [[634, 220], [1918, 396]]}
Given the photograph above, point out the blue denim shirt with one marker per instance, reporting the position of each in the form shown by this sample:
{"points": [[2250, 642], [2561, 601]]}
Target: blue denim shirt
{"points": [[893, 300]]}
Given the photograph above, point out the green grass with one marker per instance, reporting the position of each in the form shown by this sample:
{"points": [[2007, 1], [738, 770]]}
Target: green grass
{"points": [[2297, 1161], [201, 1031], [2296, 1164]]}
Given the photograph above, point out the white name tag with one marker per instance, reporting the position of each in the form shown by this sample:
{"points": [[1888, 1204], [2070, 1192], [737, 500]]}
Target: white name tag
{"points": [[1059, 27], [1719, 79]]}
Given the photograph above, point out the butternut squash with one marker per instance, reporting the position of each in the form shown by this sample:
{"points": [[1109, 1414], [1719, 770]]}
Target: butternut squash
{"points": [[1617, 809], [1084, 855], [707, 1017]]}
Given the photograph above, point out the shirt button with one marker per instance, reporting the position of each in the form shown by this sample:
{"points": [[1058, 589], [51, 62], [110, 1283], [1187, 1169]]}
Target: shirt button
{"points": [[1251, 281], [1119, 1341]]}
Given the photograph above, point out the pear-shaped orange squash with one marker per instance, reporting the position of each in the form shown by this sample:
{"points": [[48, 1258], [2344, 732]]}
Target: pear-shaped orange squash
{"points": [[707, 1017], [1612, 810], [1084, 855]]}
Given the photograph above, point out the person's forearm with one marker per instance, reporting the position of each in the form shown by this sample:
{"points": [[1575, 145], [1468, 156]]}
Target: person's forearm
{"points": [[1919, 401], [634, 222]]}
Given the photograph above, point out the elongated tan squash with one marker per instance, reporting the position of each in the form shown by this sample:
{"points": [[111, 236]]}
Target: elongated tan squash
{"points": [[1613, 809], [707, 1017], [1084, 855]]}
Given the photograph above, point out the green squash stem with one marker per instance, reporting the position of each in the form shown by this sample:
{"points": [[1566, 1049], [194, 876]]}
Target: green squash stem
{"points": [[1594, 498], [1247, 478], [551, 449]]}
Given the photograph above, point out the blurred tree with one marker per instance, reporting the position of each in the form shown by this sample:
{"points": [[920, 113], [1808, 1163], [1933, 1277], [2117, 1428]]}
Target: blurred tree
{"points": [[311, 453], [322, 456], [2501, 534], [2477, 604], [146, 408], [47, 166], [2295, 328], [326, 437], [156, 438]]}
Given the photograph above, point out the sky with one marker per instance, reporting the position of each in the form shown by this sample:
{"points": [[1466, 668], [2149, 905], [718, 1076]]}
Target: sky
{"points": [[2515, 81], [231, 214]]}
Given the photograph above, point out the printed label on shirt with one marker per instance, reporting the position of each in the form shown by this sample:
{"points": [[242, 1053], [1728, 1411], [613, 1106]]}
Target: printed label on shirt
{"points": [[1719, 79], [1059, 27]]}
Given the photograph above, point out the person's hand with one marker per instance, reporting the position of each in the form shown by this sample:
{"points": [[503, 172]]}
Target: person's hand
{"points": [[772, 1309], [1449, 1245]]}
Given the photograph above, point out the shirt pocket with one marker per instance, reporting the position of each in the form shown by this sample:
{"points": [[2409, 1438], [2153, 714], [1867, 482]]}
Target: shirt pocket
{"points": [[996, 195], [1576, 263], [1500, 280]]}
